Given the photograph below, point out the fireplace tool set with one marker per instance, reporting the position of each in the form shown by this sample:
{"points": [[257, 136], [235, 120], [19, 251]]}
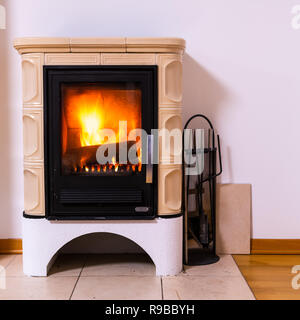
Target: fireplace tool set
{"points": [[199, 192]]}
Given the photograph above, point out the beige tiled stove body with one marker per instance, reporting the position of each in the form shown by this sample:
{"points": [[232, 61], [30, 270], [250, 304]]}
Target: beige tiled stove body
{"points": [[166, 53]]}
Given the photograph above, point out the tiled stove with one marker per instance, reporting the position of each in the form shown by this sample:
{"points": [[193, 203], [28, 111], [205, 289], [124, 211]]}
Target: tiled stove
{"points": [[71, 88]]}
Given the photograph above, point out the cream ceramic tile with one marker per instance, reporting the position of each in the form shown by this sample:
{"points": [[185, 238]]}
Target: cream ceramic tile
{"points": [[67, 265], [206, 288], [38, 44], [6, 259], [97, 45], [224, 267], [118, 265], [26, 288], [34, 191], [72, 59], [127, 59], [171, 120], [32, 75], [33, 137], [118, 288], [155, 45], [169, 185], [170, 79]]}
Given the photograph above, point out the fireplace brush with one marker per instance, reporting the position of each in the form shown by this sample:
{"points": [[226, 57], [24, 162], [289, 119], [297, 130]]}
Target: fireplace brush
{"points": [[199, 182]]}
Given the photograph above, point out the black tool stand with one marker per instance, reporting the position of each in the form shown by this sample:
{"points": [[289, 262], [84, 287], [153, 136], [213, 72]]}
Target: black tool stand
{"points": [[199, 193]]}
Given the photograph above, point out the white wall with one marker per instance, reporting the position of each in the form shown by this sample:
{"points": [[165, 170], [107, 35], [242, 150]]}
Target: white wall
{"points": [[241, 70]]}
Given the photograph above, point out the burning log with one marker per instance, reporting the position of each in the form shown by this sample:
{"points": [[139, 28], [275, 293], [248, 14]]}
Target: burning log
{"points": [[78, 157]]}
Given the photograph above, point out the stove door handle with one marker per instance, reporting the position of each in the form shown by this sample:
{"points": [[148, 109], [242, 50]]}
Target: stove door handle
{"points": [[149, 166]]}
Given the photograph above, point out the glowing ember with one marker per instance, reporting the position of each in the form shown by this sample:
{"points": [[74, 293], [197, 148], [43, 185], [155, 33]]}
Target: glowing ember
{"points": [[108, 169]]}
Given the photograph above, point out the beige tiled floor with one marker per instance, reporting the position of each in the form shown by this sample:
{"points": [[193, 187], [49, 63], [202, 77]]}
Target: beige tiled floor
{"points": [[116, 265], [121, 277], [118, 288], [206, 288]]}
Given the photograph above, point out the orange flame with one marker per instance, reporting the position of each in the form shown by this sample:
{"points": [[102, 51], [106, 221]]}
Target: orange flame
{"points": [[91, 123], [88, 109]]}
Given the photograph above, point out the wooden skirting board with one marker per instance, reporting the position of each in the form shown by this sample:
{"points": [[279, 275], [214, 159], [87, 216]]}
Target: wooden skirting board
{"points": [[258, 246], [275, 246], [10, 246]]}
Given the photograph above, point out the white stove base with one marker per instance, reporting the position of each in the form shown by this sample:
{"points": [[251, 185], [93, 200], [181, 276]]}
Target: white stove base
{"points": [[161, 239]]}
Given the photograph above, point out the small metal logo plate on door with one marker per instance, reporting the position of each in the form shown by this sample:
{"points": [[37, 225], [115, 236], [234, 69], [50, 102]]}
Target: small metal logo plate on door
{"points": [[141, 209]]}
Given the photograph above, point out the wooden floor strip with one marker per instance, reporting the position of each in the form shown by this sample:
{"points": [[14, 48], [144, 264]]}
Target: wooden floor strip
{"points": [[270, 276]]}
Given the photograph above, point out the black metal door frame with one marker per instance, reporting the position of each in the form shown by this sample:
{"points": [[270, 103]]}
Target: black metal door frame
{"points": [[54, 77]]}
